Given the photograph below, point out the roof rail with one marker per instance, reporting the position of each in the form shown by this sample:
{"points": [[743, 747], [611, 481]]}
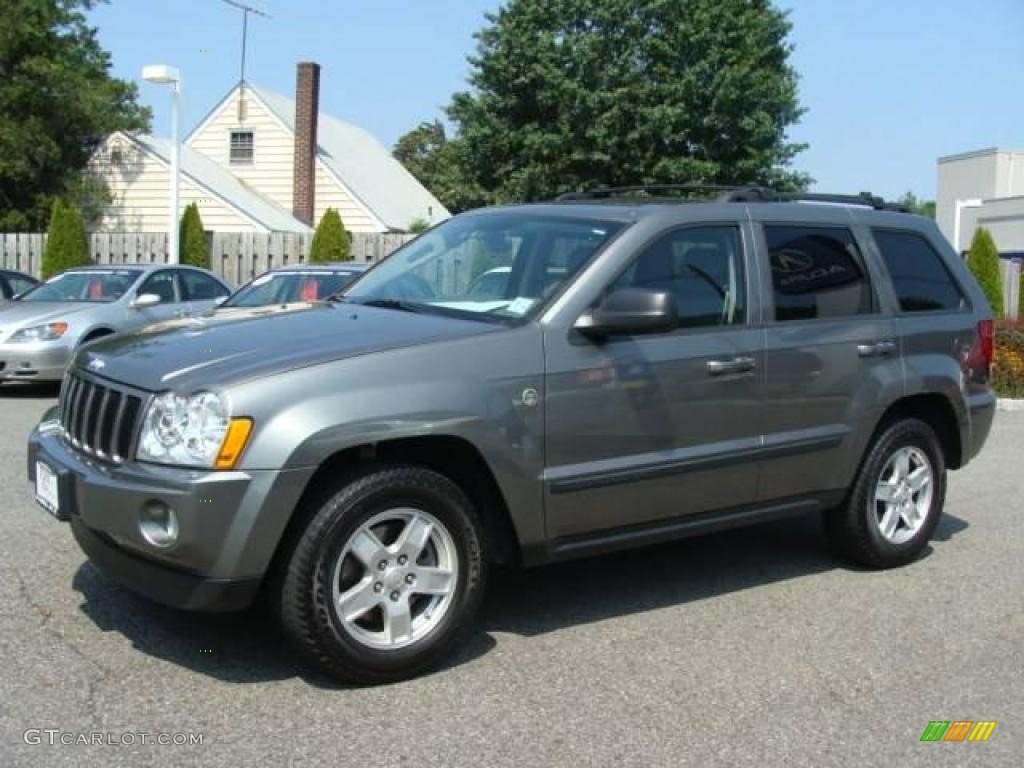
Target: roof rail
{"points": [[864, 198], [724, 193], [661, 190]]}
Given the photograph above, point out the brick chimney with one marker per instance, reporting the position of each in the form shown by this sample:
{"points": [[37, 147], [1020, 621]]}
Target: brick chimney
{"points": [[307, 108]]}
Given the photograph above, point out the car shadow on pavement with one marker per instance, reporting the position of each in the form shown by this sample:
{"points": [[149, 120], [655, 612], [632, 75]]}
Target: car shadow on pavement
{"points": [[247, 647], [30, 390], [545, 599], [241, 647]]}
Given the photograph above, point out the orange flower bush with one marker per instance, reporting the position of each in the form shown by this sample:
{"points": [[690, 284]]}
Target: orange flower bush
{"points": [[1008, 361]]}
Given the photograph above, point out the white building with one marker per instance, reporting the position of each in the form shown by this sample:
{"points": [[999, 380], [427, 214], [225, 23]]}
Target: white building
{"points": [[983, 189], [261, 162]]}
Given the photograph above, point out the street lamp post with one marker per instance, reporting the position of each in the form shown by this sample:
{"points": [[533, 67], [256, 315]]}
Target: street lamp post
{"points": [[161, 74], [958, 209]]}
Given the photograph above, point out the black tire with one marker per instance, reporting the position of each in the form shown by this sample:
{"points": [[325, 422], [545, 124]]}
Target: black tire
{"points": [[307, 612], [853, 529]]}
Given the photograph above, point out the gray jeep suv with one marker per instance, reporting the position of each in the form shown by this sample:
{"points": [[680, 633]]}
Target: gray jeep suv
{"points": [[653, 368]]}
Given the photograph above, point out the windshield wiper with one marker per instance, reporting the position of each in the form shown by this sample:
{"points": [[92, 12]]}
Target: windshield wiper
{"points": [[399, 304]]}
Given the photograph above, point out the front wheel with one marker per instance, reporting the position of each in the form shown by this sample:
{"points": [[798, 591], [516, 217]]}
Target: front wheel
{"points": [[896, 500], [387, 577]]}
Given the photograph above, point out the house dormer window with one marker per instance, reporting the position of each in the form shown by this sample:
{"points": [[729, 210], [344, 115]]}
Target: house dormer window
{"points": [[241, 148]]}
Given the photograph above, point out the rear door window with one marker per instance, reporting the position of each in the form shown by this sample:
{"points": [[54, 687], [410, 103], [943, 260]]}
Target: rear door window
{"points": [[195, 286], [817, 272], [919, 276]]}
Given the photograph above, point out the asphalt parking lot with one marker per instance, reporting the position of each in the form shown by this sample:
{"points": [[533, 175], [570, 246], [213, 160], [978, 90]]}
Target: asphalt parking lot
{"points": [[750, 647]]}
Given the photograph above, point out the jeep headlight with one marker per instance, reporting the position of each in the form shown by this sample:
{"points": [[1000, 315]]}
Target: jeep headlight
{"points": [[192, 431], [48, 332]]}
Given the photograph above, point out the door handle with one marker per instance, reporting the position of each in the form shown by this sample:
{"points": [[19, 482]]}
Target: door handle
{"points": [[878, 349], [735, 365]]}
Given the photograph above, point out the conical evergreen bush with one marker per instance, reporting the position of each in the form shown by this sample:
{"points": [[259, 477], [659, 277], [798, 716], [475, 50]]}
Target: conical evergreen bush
{"points": [[66, 244], [331, 242], [983, 261], [192, 239]]}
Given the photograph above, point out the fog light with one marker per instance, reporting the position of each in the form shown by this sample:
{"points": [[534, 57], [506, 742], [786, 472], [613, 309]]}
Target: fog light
{"points": [[158, 524]]}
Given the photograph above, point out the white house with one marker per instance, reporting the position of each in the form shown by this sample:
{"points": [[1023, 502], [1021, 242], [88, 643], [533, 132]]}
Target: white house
{"points": [[261, 162]]}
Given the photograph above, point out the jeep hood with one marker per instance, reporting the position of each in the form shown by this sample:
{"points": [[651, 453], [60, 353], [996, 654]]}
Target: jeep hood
{"points": [[233, 345]]}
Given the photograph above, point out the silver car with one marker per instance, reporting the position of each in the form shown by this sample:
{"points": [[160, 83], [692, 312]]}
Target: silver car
{"points": [[297, 283], [41, 329]]}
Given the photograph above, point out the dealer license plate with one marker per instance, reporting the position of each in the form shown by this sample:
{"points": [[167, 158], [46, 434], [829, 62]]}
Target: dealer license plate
{"points": [[46, 489]]}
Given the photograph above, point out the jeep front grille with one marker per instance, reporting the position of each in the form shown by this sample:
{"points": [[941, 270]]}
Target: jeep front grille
{"points": [[99, 420]]}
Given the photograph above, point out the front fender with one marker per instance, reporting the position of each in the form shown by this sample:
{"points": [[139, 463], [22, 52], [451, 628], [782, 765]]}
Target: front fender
{"points": [[471, 389]]}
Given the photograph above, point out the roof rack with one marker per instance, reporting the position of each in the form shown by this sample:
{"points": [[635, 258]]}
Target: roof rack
{"points": [[723, 193]]}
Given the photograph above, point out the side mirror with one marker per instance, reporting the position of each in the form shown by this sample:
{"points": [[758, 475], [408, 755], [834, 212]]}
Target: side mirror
{"points": [[630, 311], [219, 300], [145, 301]]}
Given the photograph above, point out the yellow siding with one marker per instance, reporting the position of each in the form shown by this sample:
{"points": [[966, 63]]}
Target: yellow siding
{"points": [[329, 194], [138, 185], [271, 172]]}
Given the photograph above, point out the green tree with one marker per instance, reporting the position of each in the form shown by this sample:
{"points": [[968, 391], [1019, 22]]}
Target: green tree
{"points": [[66, 244], [568, 94], [983, 261], [924, 208], [58, 101], [427, 154], [331, 242], [192, 239]]}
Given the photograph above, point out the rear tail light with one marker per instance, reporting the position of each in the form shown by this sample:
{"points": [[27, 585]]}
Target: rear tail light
{"points": [[986, 344]]}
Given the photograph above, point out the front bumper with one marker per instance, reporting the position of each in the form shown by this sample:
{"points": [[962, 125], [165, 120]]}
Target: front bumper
{"points": [[229, 522], [44, 361]]}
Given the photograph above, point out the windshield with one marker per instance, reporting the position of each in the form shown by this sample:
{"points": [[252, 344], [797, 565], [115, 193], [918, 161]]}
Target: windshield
{"points": [[96, 285], [286, 287], [500, 265]]}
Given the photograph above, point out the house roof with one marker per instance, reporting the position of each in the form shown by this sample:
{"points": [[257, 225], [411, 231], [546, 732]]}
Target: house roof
{"points": [[224, 185], [364, 165]]}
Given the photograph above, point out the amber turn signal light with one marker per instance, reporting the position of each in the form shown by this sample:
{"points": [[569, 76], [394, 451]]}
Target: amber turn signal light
{"points": [[234, 443]]}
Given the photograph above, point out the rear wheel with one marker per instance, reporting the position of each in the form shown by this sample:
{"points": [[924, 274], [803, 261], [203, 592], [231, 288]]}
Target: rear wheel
{"points": [[896, 500], [387, 577]]}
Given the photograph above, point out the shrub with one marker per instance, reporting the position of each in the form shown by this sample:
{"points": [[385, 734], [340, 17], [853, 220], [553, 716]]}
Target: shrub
{"points": [[418, 226], [192, 239], [983, 260], [331, 242], [1008, 361], [66, 244]]}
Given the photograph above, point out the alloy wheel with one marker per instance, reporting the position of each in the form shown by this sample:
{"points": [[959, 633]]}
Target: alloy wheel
{"points": [[903, 495], [395, 578]]}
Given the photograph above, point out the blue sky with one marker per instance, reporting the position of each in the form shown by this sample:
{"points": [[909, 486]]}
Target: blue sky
{"points": [[889, 85]]}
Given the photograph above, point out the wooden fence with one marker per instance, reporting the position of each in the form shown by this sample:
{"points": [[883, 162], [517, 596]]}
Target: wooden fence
{"points": [[236, 256]]}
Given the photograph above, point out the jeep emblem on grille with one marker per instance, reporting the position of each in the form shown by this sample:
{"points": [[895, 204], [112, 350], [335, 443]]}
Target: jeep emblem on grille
{"points": [[96, 364]]}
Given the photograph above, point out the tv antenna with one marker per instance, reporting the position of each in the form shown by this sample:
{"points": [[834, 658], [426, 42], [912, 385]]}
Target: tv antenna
{"points": [[246, 10]]}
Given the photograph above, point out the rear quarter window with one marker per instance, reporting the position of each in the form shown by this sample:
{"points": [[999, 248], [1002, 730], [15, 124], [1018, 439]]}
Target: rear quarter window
{"points": [[920, 278]]}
